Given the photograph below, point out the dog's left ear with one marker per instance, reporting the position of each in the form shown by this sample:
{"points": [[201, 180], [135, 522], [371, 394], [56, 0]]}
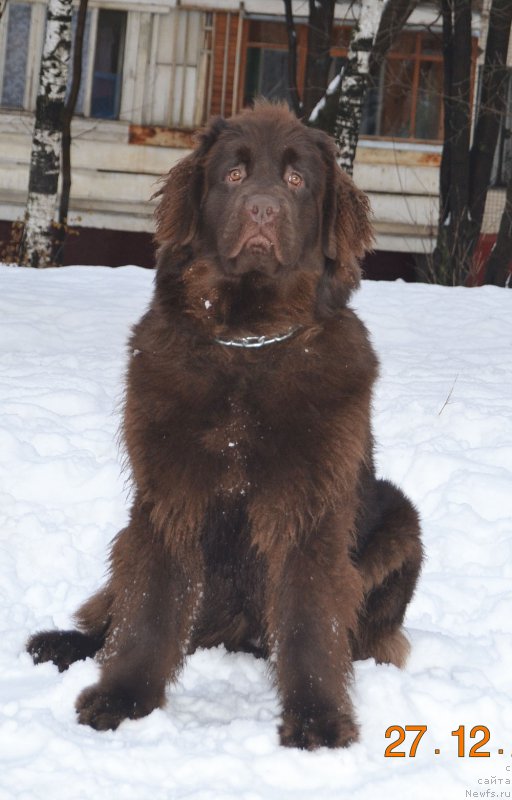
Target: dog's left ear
{"points": [[177, 213], [347, 230]]}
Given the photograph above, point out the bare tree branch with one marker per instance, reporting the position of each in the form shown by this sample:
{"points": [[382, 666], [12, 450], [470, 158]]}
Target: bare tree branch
{"points": [[394, 16]]}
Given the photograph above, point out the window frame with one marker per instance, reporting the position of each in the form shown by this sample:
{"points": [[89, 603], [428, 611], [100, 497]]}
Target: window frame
{"points": [[339, 51], [221, 73], [501, 172], [418, 58], [35, 45], [92, 73], [247, 43]]}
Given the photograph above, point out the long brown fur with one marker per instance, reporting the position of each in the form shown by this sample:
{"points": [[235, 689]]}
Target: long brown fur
{"points": [[257, 519]]}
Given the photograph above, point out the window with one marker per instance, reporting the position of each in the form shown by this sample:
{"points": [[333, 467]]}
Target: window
{"points": [[502, 168], [16, 55], [21, 43], [182, 51], [108, 64], [173, 69], [407, 103], [266, 66]]}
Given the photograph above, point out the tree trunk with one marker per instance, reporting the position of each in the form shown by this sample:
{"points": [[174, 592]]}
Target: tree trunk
{"points": [[36, 246], [498, 266], [492, 106], [292, 59], [451, 263], [318, 60], [3, 6], [69, 110], [354, 82]]}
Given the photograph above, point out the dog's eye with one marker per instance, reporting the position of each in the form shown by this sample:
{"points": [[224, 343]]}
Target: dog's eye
{"points": [[236, 174], [294, 179]]}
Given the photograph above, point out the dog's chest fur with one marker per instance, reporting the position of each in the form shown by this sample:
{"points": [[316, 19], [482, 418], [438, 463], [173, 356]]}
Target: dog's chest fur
{"points": [[250, 418], [279, 428]]}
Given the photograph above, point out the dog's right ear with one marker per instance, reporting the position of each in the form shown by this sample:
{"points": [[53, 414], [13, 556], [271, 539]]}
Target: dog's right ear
{"points": [[177, 213]]}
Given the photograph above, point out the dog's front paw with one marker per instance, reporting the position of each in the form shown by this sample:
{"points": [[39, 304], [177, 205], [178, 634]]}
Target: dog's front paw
{"points": [[308, 732], [104, 709]]}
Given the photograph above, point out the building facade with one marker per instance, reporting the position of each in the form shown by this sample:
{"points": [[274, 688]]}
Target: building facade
{"points": [[155, 70]]}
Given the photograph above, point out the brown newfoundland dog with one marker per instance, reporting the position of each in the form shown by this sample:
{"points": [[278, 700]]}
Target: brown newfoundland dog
{"points": [[257, 521]]}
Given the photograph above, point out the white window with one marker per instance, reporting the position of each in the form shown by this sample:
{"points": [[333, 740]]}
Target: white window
{"points": [[178, 69], [16, 55], [171, 67], [21, 34], [21, 39]]}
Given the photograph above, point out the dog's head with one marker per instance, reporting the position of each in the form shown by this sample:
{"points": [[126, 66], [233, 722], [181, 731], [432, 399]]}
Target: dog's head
{"points": [[263, 192]]}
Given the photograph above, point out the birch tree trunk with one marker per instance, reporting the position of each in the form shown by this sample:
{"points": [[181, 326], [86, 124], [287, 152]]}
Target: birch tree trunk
{"points": [[36, 245], [354, 81]]}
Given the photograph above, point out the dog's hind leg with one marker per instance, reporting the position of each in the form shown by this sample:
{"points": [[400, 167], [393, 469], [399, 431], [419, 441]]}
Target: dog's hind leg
{"points": [[389, 562], [63, 648]]}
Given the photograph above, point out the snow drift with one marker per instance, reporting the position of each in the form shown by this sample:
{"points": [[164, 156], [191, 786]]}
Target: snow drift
{"points": [[443, 425]]}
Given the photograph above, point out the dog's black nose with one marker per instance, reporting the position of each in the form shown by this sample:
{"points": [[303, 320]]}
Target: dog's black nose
{"points": [[262, 208]]}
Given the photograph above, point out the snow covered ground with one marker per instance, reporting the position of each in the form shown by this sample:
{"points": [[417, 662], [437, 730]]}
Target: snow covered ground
{"points": [[443, 422]]}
